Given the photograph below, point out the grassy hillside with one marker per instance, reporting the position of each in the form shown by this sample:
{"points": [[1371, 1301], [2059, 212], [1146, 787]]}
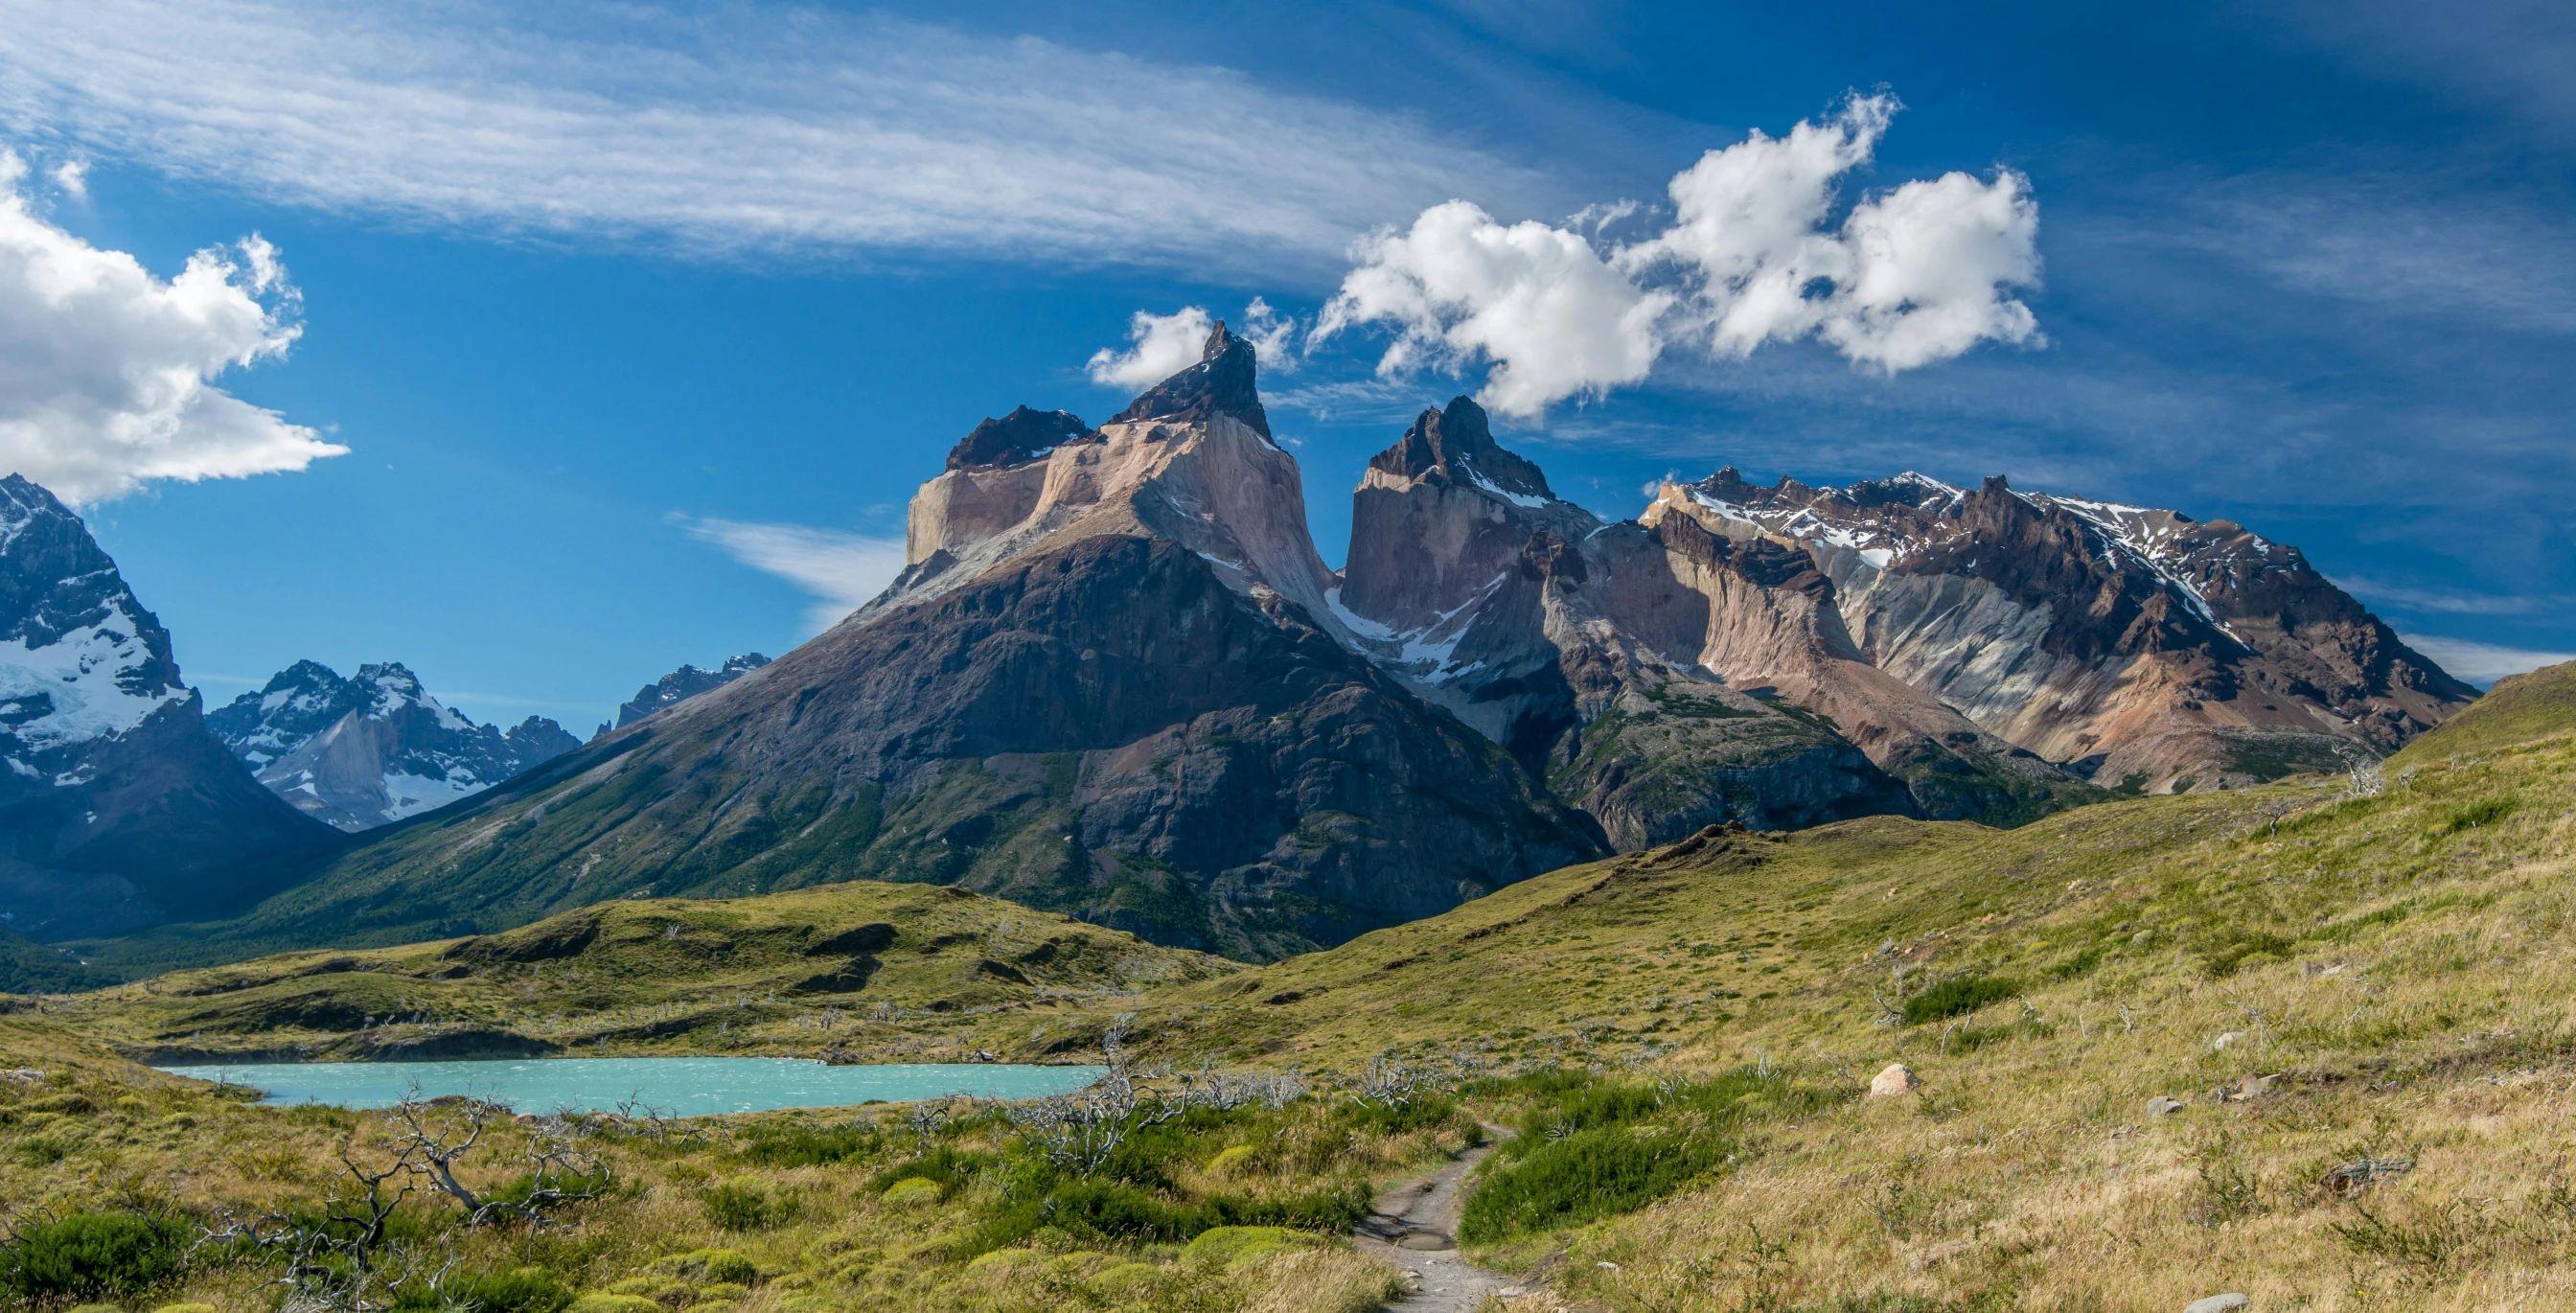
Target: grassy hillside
{"points": [[2299, 1041], [861, 970]]}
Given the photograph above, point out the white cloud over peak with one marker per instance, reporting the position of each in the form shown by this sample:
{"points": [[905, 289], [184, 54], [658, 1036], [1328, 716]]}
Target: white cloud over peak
{"points": [[1159, 346], [844, 571], [1751, 257], [107, 373], [723, 129]]}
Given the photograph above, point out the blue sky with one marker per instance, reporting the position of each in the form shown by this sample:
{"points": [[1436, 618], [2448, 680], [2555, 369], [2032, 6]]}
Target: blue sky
{"points": [[639, 325]]}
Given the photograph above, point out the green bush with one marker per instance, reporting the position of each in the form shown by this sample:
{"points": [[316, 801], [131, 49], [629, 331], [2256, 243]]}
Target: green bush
{"points": [[2484, 812], [90, 1254], [811, 1146], [1583, 1176], [1958, 997], [746, 1204], [517, 1290]]}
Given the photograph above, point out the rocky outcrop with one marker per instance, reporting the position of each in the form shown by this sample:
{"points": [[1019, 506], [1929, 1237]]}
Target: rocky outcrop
{"points": [[1109, 683], [2144, 648], [1661, 677], [118, 809], [374, 749], [689, 681], [1222, 383]]}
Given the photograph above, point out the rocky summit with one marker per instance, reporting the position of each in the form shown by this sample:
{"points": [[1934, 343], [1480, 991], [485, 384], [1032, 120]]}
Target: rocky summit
{"points": [[118, 809], [2141, 648], [373, 749], [685, 683]]}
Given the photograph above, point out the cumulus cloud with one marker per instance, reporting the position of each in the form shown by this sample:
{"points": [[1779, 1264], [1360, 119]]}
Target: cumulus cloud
{"points": [[1159, 346], [107, 373], [2482, 663], [844, 571], [726, 128], [1751, 256]]}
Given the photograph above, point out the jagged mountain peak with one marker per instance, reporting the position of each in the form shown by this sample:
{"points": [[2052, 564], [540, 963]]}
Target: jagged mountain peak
{"points": [[1223, 382], [373, 748], [117, 808], [1457, 444], [80, 657], [1017, 438], [689, 681]]}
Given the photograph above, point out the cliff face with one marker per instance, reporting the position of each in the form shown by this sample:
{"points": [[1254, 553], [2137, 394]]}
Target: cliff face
{"points": [[2143, 648], [1109, 683], [118, 809], [1662, 676]]}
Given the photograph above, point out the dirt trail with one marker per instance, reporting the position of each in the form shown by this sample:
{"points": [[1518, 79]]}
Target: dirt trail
{"points": [[1415, 1228]]}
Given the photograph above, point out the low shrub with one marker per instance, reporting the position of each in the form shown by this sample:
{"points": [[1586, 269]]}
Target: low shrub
{"points": [[1584, 1176], [118, 1253], [515, 1290], [1958, 997]]}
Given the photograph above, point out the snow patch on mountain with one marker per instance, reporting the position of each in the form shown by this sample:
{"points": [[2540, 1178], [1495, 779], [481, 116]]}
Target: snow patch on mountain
{"points": [[375, 748]]}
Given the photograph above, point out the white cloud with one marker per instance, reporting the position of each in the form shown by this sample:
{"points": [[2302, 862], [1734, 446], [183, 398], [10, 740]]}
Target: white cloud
{"points": [[1159, 346], [723, 129], [2482, 663], [72, 176], [1554, 317], [106, 372], [1909, 277], [844, 571], [1270, 334]]}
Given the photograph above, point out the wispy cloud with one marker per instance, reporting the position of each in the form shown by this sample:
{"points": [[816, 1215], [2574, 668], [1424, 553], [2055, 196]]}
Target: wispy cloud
{"points": [[842, 570], [726, 130], [2482, 663], [2447, 601]]}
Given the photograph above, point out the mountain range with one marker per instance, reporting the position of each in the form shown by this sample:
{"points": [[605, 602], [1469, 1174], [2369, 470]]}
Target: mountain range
{"points": [[1115, 679], [362, 752]]}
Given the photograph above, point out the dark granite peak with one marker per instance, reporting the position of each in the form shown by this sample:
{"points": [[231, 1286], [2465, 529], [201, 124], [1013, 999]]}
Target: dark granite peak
{"points": [[1223, 382], [1459, 441], [1022, 435]]}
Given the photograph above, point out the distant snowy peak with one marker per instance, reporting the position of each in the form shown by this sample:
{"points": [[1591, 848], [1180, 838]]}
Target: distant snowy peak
{"points": [[374, 748], [80, 659], [688, 682]]}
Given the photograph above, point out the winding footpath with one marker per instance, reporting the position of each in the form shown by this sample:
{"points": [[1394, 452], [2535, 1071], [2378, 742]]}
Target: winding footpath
{"points": [[1415, 1227]]}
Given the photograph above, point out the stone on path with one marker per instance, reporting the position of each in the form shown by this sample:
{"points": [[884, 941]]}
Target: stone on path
{"points": [[1897, 1079]]}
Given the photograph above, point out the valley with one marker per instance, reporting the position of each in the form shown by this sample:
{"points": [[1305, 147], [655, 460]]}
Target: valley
{"points": [[2148, 1042]]}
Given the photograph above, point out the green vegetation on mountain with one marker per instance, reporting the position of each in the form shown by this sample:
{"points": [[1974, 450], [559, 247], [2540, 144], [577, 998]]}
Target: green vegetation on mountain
{"points": [[886, 971], [2308, 1041]]}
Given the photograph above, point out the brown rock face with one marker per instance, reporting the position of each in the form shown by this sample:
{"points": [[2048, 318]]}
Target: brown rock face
{"points": [[2147, 649], [1662, 678]]}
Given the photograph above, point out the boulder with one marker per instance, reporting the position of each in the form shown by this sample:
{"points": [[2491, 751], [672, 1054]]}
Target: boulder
{"points": [[2227, 1303], [2162, 1105], [1897, 1079]]}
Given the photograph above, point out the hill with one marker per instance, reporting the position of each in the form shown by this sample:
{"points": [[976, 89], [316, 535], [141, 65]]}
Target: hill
{"points": [[861, 970], [2306, 1041]]}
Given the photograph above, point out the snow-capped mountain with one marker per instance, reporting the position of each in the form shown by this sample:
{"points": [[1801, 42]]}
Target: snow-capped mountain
{"points": [[688, 682], [117, 808], [370, 750]]}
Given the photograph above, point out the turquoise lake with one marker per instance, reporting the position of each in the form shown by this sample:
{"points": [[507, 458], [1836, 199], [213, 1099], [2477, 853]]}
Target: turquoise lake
{"points": [[681, 1087]]}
